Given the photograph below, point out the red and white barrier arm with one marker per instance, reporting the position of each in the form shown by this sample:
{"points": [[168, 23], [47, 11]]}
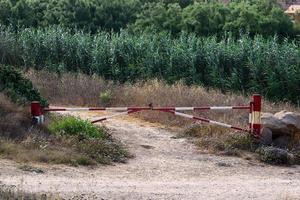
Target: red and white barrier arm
{"points": [[120, 109], [115, 115], [202, 108], [208, 121]]}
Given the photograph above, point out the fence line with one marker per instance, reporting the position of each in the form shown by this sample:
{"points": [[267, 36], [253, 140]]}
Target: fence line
{"points": [[254, 109]]}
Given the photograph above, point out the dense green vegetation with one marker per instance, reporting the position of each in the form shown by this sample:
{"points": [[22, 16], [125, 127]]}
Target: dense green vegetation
{"points": [[75, 126], [202, 17], [247, 65], [17, 87], [263, 17], [240, 46]]}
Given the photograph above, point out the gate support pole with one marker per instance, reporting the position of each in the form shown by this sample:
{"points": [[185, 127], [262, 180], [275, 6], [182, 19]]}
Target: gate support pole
{"points": [[36, 113], [256, 115]]}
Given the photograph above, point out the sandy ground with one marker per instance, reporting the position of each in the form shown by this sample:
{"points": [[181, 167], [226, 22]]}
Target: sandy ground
{"points": [[163, 168]]}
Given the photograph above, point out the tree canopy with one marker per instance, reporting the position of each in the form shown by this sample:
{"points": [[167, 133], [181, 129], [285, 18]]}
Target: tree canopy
{"points": [[202, 17]]}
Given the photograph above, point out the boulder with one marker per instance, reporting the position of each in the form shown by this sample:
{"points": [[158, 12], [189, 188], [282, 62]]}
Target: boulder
{"points": [[282, 122], [273, 123], [291, 119], [282, 128], [266, 136]]}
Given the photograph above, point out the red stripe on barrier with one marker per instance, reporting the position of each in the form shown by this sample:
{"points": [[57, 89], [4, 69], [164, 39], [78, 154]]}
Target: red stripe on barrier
{"points": [[54, 109], [241, 107], [99, 120], [95, 109], [139, 108], [201, 119]]}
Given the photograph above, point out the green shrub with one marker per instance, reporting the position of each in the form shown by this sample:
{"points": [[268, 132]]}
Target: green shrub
{"points": [[105, 98], [17, 87], [200, 17], [74, 126], [93, 143]]}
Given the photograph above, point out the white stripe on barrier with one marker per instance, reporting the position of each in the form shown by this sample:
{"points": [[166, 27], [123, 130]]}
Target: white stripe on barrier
{"points": [[111, 116], [256, 117], [221, 108], [210, 121], [220, 124], [184, 115], [250, 118], [117, 109], [77, 109], [183, 108]]}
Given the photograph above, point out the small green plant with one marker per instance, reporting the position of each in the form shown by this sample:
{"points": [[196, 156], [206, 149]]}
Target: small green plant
{"points": [[105, 97], [74, 126]]}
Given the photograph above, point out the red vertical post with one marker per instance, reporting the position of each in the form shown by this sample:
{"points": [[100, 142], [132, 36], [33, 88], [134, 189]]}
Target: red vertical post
{"points": [[256, 115], [36, 112], [36, 109]]}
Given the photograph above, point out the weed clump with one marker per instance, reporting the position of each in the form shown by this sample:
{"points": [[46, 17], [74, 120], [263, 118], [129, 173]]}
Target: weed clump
{"points": [[92, 143], [74, 126], [274, 155], [215, 138]]}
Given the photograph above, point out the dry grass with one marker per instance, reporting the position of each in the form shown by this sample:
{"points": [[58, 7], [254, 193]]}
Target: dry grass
{"points": [[21, 141], [62, 150], [14, 120], [214, 140], [82, 90], [13, 194]]}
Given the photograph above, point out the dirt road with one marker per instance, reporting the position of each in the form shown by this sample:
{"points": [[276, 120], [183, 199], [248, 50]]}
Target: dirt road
{"points": [[163, 168]]}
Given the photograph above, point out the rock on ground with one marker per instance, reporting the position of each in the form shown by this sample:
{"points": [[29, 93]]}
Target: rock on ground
{"points": [[281, 129]]}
